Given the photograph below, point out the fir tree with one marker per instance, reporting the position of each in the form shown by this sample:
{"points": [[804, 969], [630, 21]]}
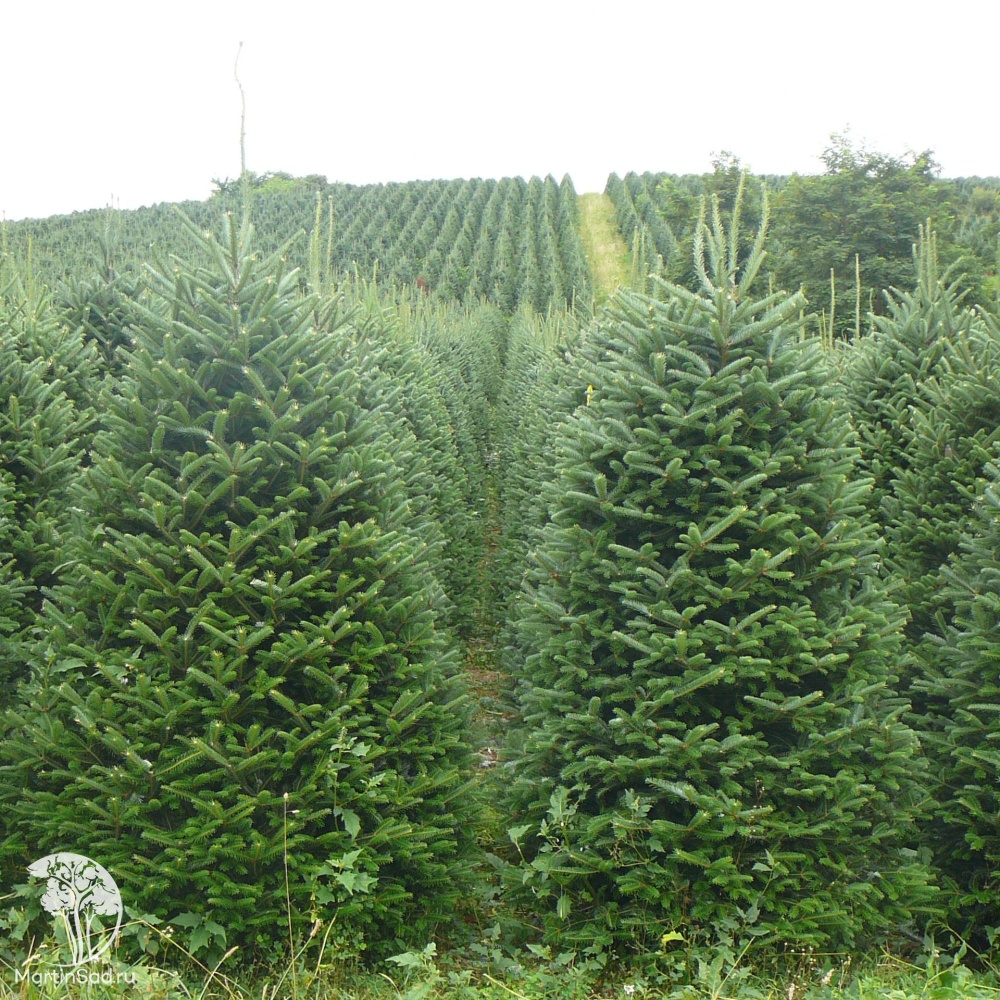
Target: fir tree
{"points": [[403, 374], [710, 733], [14, 594], [922, 389], [102, 309], [246, 671], [964, 730], [541, 388], [40, 455], [922, 392], [99, 306]]}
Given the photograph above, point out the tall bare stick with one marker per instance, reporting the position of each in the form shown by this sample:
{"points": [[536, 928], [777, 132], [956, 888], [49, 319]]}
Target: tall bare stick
{"points": [[243, 113]]}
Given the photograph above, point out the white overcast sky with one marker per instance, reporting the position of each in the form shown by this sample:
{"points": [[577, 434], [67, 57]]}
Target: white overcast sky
{"points": [[136, 103]]}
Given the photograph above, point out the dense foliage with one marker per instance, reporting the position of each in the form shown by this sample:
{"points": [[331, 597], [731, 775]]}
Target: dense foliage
{"points": [[724, 591], [860, 216], [963, 696], [710, 727], [921, 390], [510, 241], [44, 424], [246, 670]]}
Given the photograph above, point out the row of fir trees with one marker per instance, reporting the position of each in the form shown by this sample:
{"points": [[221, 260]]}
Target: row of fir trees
{"points": [[745, 586]]}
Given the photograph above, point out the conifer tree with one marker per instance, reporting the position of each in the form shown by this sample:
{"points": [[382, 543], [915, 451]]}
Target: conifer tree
{"points": [[922, 391], [14, 592], [883, 374], [466, 348], [98, 304], [102, 310], [710, 735], [962, 733], [246, 672], [41, 430], [402, 373], [540, 389], [35, 323]]}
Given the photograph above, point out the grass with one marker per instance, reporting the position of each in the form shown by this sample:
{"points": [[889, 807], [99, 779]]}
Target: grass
{"points": [[606, 251], [424, 975]]}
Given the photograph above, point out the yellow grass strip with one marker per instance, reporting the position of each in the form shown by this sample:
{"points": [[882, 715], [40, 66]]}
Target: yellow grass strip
{"points": [[606, 251]]}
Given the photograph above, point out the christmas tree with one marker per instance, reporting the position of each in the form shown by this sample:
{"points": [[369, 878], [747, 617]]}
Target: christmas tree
{"points": [[41, 429], [959, 685], [922, 392], [710, 736], [244, 698]]}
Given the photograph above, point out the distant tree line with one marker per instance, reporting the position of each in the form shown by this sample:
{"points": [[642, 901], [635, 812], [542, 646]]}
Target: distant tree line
{"points": [[859, 219]]}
